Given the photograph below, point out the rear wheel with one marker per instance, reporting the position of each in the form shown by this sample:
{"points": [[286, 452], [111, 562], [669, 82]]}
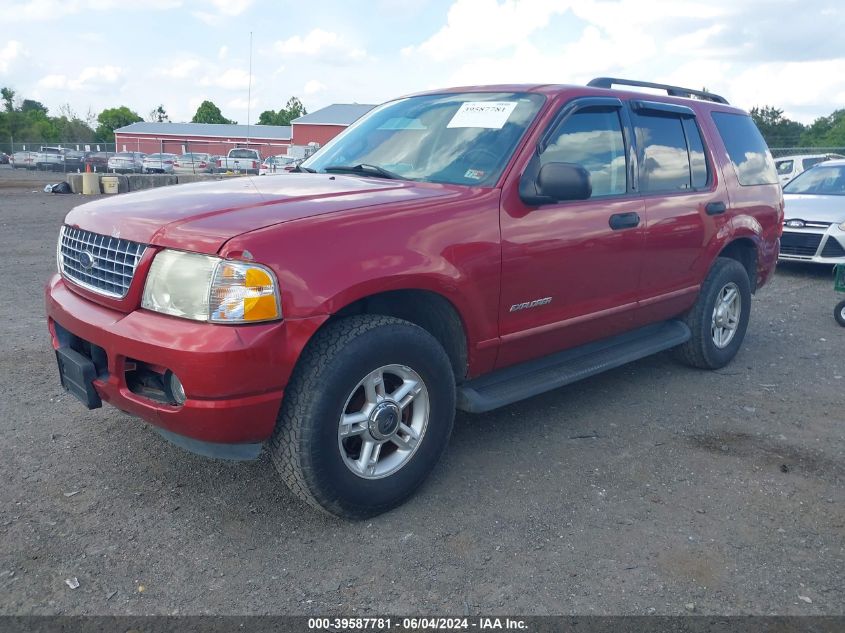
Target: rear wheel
{"points": [[366, 416], [719, 318], [839, 313]]}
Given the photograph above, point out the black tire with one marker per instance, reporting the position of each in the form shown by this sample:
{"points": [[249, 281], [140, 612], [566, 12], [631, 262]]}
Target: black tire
{"points": [[839, 313], [305, 446], [701, 350]]}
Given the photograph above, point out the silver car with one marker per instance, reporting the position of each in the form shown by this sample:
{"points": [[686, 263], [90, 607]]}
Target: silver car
{"points": [[158, 163], [124, 162], [814, 215], [193, 163]]}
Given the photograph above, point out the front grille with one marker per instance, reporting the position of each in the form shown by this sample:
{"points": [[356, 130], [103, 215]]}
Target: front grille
{"points": [[800, 244], [114, 261], [833, 248]]}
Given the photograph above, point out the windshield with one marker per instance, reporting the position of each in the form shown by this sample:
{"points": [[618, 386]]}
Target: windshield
{"points": [[822, 180], [462, 139]]}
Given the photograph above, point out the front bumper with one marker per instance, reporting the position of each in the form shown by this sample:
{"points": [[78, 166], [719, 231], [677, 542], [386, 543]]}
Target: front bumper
{"points": [[817, 245], [233, 376]]}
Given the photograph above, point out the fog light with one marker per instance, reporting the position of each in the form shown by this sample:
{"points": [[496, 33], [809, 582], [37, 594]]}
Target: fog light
{"points": [[176, 388]]}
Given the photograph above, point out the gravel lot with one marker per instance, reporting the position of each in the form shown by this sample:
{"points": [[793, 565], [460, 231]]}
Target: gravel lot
{"points": [[650, 489]]}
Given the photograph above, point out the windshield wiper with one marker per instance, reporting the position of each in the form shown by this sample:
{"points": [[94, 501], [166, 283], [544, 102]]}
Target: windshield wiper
{"points": [[364, 168], [300, 169]]}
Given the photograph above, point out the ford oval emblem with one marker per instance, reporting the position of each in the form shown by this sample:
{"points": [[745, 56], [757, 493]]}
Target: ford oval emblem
{"points": [[795, 224], [86, 260]]}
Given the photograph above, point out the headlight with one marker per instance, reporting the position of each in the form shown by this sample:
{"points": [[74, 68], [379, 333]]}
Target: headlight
{"points": [[842, 227], [206, 288]]}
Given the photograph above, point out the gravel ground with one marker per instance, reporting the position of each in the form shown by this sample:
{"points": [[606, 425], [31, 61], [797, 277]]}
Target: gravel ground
{"points": [[653, 488]]}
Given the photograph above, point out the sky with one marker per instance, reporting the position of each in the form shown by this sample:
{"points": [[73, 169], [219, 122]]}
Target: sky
{"points": [[94, 54]]}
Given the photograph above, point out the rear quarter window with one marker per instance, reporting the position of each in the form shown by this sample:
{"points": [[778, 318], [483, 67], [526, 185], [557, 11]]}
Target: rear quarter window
{"points": [[746, 148]]}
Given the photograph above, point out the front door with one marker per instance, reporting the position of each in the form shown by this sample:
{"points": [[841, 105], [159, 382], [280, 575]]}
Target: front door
{"points": [[570, 270]]}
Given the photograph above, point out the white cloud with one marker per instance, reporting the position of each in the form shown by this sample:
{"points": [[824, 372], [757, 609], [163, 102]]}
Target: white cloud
{"points": [[231, 79], [321, 43], [313, 87], [9, 53], [46, 10], [486, 25], [223, 10], [242, 104], [181, 69], [91, 79], [231, 7]]}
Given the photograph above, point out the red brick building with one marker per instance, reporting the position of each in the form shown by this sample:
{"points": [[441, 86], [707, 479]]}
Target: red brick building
{"points": [[179, 138], [323, 125]]}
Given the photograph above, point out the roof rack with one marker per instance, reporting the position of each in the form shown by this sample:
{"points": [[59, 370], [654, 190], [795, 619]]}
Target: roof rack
{"points": [[672, 91]]}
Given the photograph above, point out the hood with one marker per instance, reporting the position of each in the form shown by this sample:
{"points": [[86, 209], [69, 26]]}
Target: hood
{"points": [[201, 217], [810, 208]]}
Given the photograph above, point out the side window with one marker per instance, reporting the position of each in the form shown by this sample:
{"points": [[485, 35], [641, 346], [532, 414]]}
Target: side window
{"points": [[697, 157], [784, 167], [748, 152], [664, 158], [594, 140]]}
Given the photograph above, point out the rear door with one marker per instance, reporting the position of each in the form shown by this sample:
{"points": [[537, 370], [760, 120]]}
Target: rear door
{"points": [[686, 206], [570, 270]]}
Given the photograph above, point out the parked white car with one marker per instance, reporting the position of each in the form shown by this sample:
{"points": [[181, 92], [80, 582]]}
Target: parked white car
{"points": [[193, 163], [159, 163], [814, 215], [124, 162], [789, 167], [279, 164]]}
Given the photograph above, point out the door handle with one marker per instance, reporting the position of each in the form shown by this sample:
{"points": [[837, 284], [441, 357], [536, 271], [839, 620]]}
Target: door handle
{"points": [[715, 208], [619, 221]]}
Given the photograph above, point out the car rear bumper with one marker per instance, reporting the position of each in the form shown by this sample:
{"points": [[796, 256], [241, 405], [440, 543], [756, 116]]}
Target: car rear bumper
{"points": [[233, 376]]}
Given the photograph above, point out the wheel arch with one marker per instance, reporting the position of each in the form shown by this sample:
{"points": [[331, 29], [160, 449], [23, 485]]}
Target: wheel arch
{"points": [[427, 309], [744, 250]]}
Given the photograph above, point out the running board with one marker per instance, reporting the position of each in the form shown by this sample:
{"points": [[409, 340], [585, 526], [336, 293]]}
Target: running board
{"points": [[512, 384]]}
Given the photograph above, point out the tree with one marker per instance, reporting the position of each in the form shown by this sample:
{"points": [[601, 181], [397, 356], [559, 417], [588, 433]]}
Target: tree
{"points": [[826, 131], [28, 105], [778, 130], [70, 128], [111, 119], [8, 97], [292, 110], [158, 115], [209, 113]]}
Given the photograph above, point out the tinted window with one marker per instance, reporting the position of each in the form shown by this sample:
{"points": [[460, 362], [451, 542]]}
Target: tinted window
{"points": [[784, 167], [747, 149], [592, 139], [241, 153], [664, 161], [697, 157]]}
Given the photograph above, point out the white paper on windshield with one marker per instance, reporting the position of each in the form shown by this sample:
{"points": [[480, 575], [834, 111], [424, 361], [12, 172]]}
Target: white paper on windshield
{"points": [[486, 114]]}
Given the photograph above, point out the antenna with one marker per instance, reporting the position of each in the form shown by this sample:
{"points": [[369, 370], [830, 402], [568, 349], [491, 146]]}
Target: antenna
{"points": [[249, 91]]}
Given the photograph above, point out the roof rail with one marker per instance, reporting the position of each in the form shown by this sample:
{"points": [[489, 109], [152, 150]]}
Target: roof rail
{"points": [[672, 91]]}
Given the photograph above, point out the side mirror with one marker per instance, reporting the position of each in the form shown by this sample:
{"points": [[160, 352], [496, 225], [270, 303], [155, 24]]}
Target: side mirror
{"points": [[564, 181]]}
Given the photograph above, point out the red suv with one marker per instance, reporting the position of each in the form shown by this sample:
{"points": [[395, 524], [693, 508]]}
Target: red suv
{"points": [[461, 248]]}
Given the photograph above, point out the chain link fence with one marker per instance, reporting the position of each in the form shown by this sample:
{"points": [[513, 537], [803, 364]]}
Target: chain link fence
{"points": [[76, 157], [60, 157], [780, 152]]}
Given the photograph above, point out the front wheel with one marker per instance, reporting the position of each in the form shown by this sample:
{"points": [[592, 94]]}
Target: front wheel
{"points": [[719, 318], [839, 313], [366, 416]]}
